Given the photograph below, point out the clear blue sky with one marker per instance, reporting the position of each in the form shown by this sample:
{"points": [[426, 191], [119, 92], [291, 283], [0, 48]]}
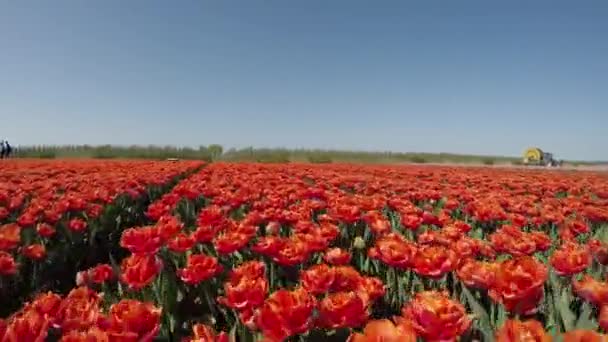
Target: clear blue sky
{"points": [[488, 77]]}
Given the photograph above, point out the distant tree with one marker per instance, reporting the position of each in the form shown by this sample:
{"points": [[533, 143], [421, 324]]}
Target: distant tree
{"points": [[215, 150], [418, 160], [488, 161], [319, 158]]}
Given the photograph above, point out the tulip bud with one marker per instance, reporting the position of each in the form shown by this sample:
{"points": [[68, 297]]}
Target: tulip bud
{"points": [[359, 243]]}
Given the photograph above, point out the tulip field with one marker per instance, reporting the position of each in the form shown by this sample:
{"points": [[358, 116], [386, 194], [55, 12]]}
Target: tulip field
{"points": [[201, 252]]}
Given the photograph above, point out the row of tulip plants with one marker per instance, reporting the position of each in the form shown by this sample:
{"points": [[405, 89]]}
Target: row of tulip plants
{"points": [[59, 217]]}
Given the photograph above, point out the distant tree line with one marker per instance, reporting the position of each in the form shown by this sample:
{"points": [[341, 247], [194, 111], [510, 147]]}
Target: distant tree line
{"points": [[280, 155], [208, 153], [216, 152]]}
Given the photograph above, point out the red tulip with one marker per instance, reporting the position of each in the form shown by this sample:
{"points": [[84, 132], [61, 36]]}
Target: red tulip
{"points": [[77, 225], [204, 333], [139, 271], [8, 266], [337, 256], [591, 290], [318, 279], [434, 262], [133, 320], [385, 331], [518, 284], [285, 313], [199, 268], [34, 252], [342, 310], [436, 317], [570, 259], [516, 331], [180, 243], [79, 310], [10, 236]]}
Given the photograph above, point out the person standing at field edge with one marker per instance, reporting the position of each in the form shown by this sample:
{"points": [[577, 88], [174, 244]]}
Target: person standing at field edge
{"points": [[5, 149]]}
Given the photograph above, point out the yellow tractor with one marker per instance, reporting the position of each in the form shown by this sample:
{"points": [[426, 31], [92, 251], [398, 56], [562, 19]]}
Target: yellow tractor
{"points": [[536, 156]]}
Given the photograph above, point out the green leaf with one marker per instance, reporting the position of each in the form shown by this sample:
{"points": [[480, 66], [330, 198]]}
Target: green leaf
{"points": [[232, 334], [568, 317], [562, 303], [551, 322], [482, 315], [501, 316], [585, 320]]}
